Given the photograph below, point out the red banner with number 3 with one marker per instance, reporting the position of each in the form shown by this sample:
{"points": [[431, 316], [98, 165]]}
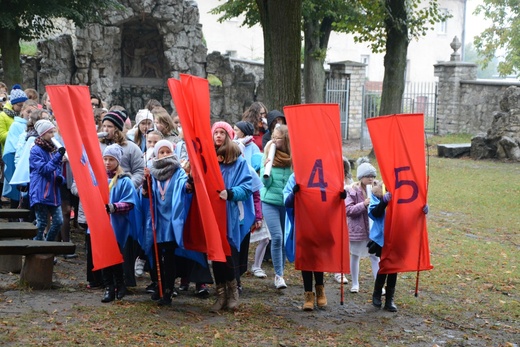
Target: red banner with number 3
{"points": [[320, 221], [398, 142]]}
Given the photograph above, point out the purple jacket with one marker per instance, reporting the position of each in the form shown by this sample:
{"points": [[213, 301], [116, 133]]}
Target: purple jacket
{"points": [[357, 214]]}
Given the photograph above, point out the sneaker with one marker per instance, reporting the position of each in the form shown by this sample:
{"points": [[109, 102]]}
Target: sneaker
{"points": [[279, 282], [202, 291], [354, 289], [139, 267], [259, 273], [151, 288], [338, 278], [184, 287], [70, 256]]}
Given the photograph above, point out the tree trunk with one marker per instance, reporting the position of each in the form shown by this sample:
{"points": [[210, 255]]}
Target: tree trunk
{"points": [[281, 23], [395, 57], [315, 50], [10, 47]]}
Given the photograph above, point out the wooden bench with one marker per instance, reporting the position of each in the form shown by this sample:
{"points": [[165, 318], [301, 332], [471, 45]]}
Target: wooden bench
{"points": [[12, 231], [14, 213], [39, 259]]}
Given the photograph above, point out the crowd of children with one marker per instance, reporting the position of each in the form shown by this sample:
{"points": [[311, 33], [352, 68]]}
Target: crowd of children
{"points": [[151, 191]]}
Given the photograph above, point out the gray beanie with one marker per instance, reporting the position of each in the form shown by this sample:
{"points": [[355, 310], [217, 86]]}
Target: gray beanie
{"points": [[365, 170], [115, 151], [42, 126]]}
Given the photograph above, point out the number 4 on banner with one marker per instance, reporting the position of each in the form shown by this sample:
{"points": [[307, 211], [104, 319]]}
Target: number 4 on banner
{"points": [[318, 167]]}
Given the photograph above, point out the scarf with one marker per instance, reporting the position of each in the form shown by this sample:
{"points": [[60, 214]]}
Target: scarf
{"points": [[46, 145], [163, 168], [10, 113], [281, 159], [31, 133]]}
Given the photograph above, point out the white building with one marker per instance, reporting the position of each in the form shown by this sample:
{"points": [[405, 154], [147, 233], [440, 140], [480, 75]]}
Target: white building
{"points": [[247, 43]]}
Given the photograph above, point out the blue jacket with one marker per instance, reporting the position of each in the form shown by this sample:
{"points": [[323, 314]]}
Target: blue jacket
{"points": [[46, 178]]}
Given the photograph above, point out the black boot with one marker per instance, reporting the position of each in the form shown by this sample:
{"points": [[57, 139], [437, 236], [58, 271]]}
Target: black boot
{"points": [[389, 301], [378, 290], [120, 283], [109, 295], [166, 299]]}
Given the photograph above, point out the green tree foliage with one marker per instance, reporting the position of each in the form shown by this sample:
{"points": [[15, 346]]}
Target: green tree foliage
{"points": [[471, 56], [503, 34], [281, 26], [32, 19]]}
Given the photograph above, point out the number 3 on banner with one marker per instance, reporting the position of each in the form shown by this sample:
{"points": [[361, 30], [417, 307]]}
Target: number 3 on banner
{"points": [[318, 167], [398, 184]]}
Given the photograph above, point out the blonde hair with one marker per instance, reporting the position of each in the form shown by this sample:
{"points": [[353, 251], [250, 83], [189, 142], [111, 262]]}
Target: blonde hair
{"points": [[284, 132], [162, 116]]}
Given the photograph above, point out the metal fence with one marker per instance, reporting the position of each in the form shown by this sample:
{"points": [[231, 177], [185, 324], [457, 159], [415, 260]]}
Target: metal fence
{"points": [[338, 91], [418, 97]]}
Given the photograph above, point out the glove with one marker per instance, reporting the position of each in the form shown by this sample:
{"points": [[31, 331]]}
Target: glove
{"points": [[296, 188], [111, 208], [387, 197], [59, 180], [425, 209], [343, 195], [61, 150]]}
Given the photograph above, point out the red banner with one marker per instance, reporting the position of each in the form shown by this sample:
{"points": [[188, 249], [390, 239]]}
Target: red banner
{"points": [[320, 220], [398, 142], [206, 228], [73, 112]]}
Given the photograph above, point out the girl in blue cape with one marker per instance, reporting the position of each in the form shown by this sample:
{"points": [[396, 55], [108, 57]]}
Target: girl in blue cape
{"points": [[239, 211], [124, 217], [171, 197]]}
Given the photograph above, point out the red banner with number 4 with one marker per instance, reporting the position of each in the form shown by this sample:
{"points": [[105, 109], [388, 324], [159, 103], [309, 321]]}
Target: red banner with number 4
{"points": [[398, 142], [320, 221]]}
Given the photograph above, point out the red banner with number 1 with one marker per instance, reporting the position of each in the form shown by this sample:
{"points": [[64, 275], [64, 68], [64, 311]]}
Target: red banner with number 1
{"points": [[320, 221]]}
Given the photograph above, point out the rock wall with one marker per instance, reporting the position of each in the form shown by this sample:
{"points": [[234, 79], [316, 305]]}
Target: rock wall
{"points": [[502, 140]]}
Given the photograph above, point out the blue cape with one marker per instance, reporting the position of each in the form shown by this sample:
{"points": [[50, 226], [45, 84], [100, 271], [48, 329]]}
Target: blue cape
{"points": [[289, 240], [377, 230], [125, 224]]}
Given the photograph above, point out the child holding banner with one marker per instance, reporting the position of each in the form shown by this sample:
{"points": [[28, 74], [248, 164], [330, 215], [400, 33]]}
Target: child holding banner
{"points": [[289, 191], [239, 211], [123, 217], [376, 211], [171, 200], [357, 218], [272, 196]]}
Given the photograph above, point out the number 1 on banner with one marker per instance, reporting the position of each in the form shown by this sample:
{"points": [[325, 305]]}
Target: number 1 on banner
{"points": [[318, 168]]}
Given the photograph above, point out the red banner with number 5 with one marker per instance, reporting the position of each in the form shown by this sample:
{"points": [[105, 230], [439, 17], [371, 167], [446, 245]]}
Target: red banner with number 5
{"points": [[398, 142], [320, 221]]}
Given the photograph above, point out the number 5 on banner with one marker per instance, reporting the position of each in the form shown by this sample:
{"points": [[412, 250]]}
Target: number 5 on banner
{"points": [[318, 167], [398, 184]]}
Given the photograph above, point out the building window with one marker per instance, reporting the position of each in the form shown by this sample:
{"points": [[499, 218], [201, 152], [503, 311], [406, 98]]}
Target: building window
{"points": [[442, 27], [365, 59]]}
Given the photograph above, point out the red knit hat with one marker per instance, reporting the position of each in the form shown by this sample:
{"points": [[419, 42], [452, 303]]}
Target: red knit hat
{"points": [[224, 126]]}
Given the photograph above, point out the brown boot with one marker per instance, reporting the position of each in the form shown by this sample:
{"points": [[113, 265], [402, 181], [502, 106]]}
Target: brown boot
{"points": [[308, 305], [321, 299], [221, 301], [232, 295]]}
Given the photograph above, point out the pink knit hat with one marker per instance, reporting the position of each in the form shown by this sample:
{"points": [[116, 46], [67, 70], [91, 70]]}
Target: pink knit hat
{"points": [[224, 126]]}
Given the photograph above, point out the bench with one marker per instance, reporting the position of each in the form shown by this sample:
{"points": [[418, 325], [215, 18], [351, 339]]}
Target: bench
{"points": [[39, 259], [10, 231], [454, 150], [14, 213]]}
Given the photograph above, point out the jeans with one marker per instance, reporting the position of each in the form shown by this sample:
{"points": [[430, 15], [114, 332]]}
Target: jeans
{"points": [[275, 218], [42, 211]]}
